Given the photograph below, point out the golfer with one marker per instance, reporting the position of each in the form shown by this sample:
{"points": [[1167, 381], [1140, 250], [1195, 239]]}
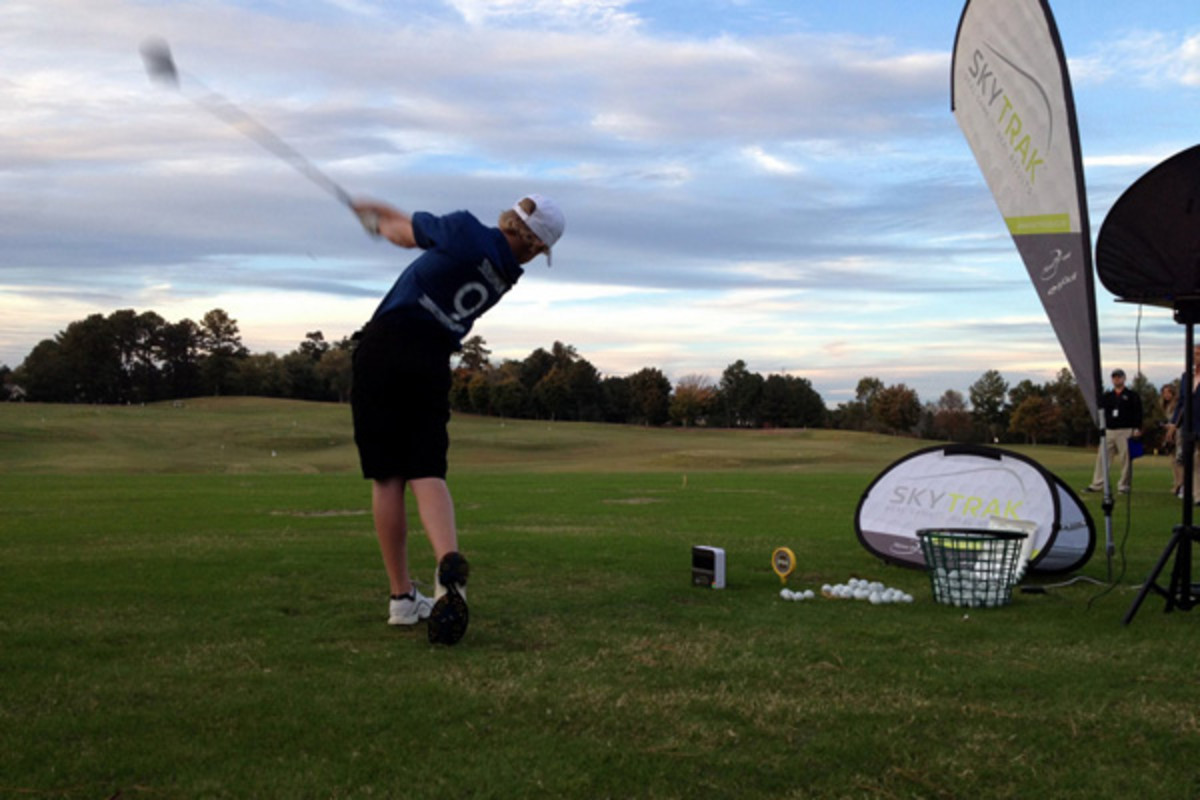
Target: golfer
{"points": [[401, 392]]}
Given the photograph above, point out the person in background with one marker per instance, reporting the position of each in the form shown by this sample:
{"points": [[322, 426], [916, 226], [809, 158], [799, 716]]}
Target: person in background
{"points": [[1169, 397], [1178, 419], [1122, 421]]}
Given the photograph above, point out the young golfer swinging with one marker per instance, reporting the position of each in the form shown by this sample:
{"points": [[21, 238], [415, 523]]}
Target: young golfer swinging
{"points": [[401, 392]]}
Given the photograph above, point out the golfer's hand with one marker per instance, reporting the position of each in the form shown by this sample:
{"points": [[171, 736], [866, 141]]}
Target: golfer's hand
{"points": [[369, 219]]}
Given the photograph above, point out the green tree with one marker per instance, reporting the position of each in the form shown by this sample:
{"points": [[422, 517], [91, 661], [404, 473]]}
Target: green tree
{"points": [[896, 409], [262, 375], [221, 343], [474, 355], [535, 367], [135, 337], [1076, 425], [583, 383], [552, 395], [740, 395], [1036, 418], [950, 419], [93, 360], [692, 400], [616, 399], [987, 404], [45, 374], [336, 372], [650, 397], [179, 347]]}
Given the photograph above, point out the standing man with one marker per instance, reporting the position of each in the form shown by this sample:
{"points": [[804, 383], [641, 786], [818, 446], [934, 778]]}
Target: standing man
{"points": [[1122, 421], [401, 391]]}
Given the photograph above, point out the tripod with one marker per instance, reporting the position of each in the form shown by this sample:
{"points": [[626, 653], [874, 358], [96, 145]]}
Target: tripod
{"points": [[1180, 593]]}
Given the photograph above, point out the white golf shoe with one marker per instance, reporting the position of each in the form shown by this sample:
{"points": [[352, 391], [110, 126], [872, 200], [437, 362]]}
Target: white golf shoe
{"points": [[409, 609]]}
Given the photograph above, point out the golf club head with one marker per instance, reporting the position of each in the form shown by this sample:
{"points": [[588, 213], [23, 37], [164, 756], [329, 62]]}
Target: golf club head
{"points": [[159, 64]]}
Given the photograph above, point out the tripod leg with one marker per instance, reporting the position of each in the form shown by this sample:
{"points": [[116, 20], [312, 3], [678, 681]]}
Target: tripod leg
{"points": [[1150, 584]]}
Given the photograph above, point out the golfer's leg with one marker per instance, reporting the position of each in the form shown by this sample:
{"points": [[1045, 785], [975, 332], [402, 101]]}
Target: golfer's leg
{"points": [[391, 526], [437, 514]]}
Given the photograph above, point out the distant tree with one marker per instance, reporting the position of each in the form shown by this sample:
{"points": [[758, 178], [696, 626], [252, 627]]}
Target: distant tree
{"points": [[46, 375], [616, 399], [1076, 425], [535, 367], [857, 415], [314, 346], [93, 360], [506, 393], [896, 409], [740, 395], [650, 397], [950, 419], [809, 404], [262, 375], [692, 400], [474, 355], [179, 347], [790, 402], [303, 382], [866, 390], [564, 354], [479, 393], [335, 370], [1025, 389], [987, 403], [221, 343], [552, 395], [583, 384], [1036, 418], [136, 339]]}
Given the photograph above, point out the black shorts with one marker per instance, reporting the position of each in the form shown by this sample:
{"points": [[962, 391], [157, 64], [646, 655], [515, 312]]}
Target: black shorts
{"points": [[401, 400]]}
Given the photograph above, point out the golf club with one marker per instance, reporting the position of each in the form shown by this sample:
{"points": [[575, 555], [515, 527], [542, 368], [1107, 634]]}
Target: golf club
{"points": [[161, 67]]}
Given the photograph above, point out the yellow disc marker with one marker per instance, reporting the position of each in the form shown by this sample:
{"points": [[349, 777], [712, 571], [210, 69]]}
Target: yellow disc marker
{"points": [[783, 561]]}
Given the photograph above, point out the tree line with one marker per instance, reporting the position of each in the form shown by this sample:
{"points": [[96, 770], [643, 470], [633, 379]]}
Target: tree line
{"points": [[132, 357]]}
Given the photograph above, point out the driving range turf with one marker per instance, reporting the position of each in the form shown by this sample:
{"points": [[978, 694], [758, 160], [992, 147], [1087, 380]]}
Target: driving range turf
{"points": [[192, 605]]}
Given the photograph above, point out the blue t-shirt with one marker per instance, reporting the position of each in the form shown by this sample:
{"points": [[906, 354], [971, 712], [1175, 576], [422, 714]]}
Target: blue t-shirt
{"points": [[465, 270]]}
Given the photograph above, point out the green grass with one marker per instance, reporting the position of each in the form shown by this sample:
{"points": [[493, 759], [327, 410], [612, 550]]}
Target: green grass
{"points": [[185, 615]]}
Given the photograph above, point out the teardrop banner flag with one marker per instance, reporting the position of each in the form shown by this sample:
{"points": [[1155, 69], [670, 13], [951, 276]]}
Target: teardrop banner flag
{"points": [[1011, 95], [973, 486]]}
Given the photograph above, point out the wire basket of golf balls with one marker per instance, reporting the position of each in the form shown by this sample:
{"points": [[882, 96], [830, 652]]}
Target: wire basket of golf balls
{"points": [[971, 568]]}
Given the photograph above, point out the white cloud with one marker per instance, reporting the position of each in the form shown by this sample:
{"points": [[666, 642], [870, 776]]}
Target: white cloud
{"points": [[769, 163], [593, 15]]}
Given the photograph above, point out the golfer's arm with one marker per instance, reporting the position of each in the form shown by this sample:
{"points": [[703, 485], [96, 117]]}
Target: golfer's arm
{"points": [[394, 224], [397, 228]]}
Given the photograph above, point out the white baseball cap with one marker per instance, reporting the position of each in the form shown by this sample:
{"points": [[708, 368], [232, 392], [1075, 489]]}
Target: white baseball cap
{"points": [[546, 221]]}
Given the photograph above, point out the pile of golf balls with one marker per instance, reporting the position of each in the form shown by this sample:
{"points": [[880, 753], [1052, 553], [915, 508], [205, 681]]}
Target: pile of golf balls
{"points": [[788, 594], [861, 589]]}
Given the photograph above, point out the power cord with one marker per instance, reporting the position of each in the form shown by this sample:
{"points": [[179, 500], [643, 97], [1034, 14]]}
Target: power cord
{"points": [[1137, 346]]}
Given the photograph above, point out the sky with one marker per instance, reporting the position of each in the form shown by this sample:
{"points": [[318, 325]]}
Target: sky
{"points": [[780, 182]]}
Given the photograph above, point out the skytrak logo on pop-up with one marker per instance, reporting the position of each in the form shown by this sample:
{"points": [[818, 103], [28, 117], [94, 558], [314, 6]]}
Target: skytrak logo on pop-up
{"points": [[1010, 123], [955, 503]]}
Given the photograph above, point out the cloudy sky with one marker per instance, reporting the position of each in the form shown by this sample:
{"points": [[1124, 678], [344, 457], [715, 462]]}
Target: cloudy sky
{"points": [[777, 181]]}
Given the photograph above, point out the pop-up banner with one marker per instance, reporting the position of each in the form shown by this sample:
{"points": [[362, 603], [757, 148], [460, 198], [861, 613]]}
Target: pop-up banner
{"points": [[973, 486]]}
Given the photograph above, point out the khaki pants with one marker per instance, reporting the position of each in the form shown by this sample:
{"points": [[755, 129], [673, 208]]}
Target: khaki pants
{"points": [[1117, 443], [1195, 467]]}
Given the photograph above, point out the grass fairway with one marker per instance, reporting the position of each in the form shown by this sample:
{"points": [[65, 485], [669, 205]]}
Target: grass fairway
{"points": [[192, 605]]}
